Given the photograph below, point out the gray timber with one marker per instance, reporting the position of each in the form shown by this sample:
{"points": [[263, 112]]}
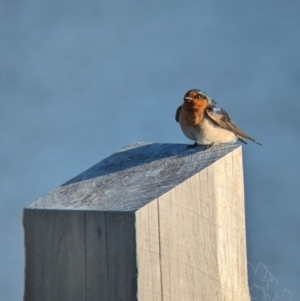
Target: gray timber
{"points": [[132, 177]]}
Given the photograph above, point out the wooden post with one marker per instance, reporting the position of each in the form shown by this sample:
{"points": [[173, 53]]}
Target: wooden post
{"points": [[153, 222]]}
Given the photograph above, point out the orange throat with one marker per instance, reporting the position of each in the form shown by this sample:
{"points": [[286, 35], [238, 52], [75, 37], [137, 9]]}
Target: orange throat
{"points": [[193, 111]]}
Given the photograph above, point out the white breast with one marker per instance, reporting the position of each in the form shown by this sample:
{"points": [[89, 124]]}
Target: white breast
{"points": [[208, 133]]}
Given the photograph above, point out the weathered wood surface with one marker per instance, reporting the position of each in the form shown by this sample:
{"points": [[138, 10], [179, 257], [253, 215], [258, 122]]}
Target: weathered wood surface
{"points": [[76, 255], [132, 177], [191, 240], [151, 222]]}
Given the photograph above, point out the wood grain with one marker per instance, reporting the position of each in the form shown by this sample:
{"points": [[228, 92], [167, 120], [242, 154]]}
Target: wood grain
{"points": [[203, 231], [153, 222], [96, 256], [54, 255], [148, 253], [76, 255], [131, 178], [191, 240]]}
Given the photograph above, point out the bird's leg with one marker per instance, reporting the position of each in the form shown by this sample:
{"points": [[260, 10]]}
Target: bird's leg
{"points": [[209, 146], [193, 145]]}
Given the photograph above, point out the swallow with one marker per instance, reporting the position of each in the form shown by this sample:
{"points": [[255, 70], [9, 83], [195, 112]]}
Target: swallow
{"points": [[204, 122]]}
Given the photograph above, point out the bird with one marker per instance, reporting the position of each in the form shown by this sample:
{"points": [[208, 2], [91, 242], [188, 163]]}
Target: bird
{"points": [[204, 122]]}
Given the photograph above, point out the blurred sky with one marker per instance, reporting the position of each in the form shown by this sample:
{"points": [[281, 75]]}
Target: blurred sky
{"points": [[81, 79]]}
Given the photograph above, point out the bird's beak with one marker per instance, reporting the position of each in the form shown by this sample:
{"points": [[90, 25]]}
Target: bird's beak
{"points": [[188, 98]]}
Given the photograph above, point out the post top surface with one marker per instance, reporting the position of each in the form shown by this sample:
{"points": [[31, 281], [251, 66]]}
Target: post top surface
{"points": [[129, 179]]}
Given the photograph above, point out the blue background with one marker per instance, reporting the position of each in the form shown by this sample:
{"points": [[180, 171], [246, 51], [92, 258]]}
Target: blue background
{"points": [[81, 79]]}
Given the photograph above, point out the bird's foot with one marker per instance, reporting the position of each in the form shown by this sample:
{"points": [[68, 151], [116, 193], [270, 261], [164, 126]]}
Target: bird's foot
{"points": [[192, 145], [208, 146], [196, 144]]}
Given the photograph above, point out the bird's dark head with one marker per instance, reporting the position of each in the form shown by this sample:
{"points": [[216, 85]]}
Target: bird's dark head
{"points": [[197, 95]]}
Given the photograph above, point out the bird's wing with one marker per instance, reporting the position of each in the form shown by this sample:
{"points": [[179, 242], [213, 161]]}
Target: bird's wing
{"points": [[177, 113], [220, 117]]}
